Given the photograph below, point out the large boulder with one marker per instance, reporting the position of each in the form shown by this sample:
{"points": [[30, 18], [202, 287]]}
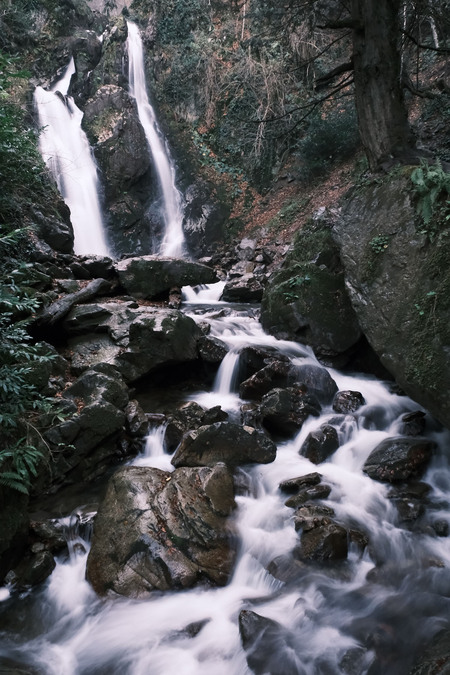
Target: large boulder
{"points": [[224, 442], [205, 218], [399, 458], [306, 299], [137, 340], [397, 282], [152, 276], [157, 530]]}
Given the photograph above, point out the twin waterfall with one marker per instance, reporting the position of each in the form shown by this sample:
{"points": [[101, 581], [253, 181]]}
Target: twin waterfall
{"points": [[66, 151], [173, 241]]}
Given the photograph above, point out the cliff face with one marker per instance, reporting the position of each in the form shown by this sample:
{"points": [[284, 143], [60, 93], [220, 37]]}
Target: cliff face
{"points": [[399, 286]]}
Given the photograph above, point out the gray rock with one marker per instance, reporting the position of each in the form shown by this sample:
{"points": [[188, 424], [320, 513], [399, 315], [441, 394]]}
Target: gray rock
{"points": [[162, 531], [224, 442]]}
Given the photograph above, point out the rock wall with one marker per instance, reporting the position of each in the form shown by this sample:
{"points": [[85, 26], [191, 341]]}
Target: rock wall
{"points": [[399, 286]]}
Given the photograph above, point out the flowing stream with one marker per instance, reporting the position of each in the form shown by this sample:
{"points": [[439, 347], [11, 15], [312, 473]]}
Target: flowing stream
{"points": [[66, 151], [172, 209], [354, 618]]}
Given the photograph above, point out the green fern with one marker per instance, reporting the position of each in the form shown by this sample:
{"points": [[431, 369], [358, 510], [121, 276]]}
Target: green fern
{"points": [[19, 465]]}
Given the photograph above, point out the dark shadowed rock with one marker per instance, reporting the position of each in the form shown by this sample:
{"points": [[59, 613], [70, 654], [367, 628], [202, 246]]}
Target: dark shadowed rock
{"points": [[211, 349], [224, 442], [152, 276], [243, 289], [312, 492], [399, 458], [269, 646], [318, 382], [277, 373], [190, 416], [325, 541], [320, 444], [157, 530], [293, 485], [436, 658], [283, 411], [348, 401]]}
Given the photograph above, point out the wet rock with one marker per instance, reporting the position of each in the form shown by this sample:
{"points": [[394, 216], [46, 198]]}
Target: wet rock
{"points": [[293, 485], [269, 646], [309, 516], [413, 424], [399, 458], [212, 350], [157, 530], [306, 300], [278, 373], [243, 289], [152, 276], [224, 442], [320, 444], [136, 419], [93, 385], [436, 658], [283, 411], [33, 569], [318, 382], [327, 541], [50, 533], [441, 527], [286, 568], [314, 492], [190, 416], [205, 219], [348, 401]]}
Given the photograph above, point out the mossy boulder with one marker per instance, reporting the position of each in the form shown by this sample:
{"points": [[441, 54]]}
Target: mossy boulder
{"points": [[399, 285], [306, 299]]}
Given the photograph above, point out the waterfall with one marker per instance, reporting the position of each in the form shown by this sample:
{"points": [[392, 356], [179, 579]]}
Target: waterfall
{"points": [[173, 240], [66, 151]]}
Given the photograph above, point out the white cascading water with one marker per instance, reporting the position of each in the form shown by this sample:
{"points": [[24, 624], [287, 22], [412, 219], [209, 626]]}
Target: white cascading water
{"points": [[66, 151], [340, 621], [173, 239]]}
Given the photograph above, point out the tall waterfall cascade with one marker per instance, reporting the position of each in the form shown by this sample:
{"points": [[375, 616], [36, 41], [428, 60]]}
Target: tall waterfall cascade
{"points": [[173, 239], [66, 151]]}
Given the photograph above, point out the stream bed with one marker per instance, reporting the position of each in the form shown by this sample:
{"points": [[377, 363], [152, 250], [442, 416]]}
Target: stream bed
{"points": [[372, 613]]}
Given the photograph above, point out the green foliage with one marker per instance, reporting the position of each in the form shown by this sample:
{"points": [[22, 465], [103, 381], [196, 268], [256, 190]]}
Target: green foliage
{"points": [[22, 176], [431, 185], [330, 137], [293, 285], [379, 243], [179, 18]]}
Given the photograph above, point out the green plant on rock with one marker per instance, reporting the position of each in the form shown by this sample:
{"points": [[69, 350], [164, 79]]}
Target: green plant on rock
{"points": [[379, 243], [293, 285], [431, 185], [20, 398]]}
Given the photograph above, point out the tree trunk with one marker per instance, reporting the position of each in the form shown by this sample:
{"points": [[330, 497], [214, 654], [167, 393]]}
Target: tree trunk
{"points": [[382, 115]]}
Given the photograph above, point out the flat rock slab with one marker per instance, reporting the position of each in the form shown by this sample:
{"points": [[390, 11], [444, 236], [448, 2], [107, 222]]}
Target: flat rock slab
{"points": [[151, 276]]}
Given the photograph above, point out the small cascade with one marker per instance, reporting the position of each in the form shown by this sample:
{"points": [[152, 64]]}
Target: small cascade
{"points": [[173, 240], [154, 454], [66, 151]]}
